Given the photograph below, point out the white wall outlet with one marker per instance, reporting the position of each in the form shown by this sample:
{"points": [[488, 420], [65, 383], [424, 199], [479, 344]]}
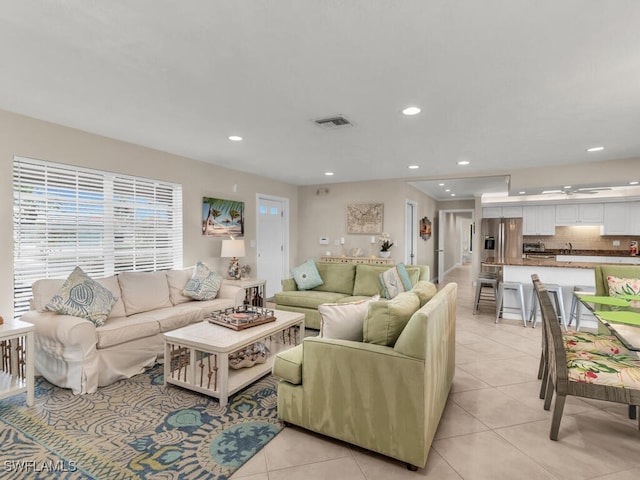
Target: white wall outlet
{"points": [[336, 242], [324, 241], [616, 243]]}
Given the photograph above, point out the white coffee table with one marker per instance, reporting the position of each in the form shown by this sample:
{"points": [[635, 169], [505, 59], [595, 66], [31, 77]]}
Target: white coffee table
{"points": [[196, 357]]}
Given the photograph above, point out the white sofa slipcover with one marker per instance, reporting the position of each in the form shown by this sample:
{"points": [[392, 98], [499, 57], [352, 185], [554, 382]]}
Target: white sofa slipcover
{"points": [[71, 352]]}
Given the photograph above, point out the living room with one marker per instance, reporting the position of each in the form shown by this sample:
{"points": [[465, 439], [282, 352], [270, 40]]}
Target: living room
{"points": [[317, 202]]}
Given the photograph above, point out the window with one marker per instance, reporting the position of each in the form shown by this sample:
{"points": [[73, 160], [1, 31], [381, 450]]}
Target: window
{"points": [[66, 216]]}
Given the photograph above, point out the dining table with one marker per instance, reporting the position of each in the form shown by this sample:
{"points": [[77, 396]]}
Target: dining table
{"points": [[619, 315]]}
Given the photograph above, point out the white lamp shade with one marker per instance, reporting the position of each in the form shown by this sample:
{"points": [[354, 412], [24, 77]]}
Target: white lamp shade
{"points": [[232, 248]]}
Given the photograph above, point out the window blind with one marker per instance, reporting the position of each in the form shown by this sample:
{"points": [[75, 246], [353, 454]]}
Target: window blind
{"points": [[106, 223]]}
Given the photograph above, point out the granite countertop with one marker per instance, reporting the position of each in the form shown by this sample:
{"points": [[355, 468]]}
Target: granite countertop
{"points": [[591, 253], [539, 262]]}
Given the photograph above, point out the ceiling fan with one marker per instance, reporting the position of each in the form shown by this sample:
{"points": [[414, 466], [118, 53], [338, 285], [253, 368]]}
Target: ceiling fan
{"points": [[573, 191]]}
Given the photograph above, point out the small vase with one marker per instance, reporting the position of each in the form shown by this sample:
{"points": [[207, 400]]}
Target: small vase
{"points": [[386, 254]]}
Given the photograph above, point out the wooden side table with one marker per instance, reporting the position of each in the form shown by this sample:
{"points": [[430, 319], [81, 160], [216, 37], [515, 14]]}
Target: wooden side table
{"points": [[18, 370], [254, 290]]}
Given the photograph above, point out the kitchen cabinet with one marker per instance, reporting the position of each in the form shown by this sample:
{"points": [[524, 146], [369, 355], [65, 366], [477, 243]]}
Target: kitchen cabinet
{"points": [[621, 218], [502, 212], [580, 214], [539, 220]]}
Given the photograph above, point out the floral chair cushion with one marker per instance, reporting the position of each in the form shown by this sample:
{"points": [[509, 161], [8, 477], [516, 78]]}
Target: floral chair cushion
{"points": [[611, 370]]}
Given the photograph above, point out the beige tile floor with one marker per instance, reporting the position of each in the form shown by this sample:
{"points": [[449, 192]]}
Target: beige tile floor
{"points": [[494, 426]]}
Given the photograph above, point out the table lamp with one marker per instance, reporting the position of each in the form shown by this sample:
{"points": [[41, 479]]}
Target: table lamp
{"points": [[233, 249]]}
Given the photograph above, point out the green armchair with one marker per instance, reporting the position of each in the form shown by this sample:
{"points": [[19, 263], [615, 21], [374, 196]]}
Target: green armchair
{"points": [[388, 399], [620, 271]]}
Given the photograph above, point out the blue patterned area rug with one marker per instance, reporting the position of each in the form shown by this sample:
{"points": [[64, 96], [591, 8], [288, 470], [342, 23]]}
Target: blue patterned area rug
{"points": [[135, 428]]}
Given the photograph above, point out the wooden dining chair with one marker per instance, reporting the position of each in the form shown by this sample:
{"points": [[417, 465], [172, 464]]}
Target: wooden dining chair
{"points": [[582, 374]]}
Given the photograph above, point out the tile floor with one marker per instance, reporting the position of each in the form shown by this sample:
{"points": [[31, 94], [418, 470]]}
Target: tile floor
{"points": [[494, 426]]}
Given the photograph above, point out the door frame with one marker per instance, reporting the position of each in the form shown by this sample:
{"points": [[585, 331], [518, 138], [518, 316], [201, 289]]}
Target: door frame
{"points": [[284, 201], [442, 216], [410, 232]]}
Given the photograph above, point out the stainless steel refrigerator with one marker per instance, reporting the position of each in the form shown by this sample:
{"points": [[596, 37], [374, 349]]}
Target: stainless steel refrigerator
{"points": [[501, 239]]}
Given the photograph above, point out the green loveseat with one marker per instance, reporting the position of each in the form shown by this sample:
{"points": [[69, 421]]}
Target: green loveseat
{"points": [[388, 399], [342, 283]]}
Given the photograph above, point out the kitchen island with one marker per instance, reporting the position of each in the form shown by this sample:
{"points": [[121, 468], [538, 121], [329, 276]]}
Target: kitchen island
{"points": [[565, 274], [566, 270]]}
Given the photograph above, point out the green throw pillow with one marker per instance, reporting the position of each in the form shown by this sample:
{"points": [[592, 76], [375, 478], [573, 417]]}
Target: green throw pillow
{"points": [[386, 319], [203, 284], [83, 297], [307, 275], [425, 291]]}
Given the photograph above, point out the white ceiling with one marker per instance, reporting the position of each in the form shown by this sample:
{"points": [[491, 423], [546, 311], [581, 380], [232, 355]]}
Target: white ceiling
{"points": [[502, 84]]}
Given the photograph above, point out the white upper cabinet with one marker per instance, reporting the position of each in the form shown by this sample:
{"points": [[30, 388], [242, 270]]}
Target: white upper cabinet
{"points": [[616, 220], [580, 214], [502, 212], [539, 220], [621, 218]]}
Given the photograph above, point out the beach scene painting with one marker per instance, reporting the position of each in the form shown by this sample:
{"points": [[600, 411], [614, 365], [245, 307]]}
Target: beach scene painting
{"points": [[222, 218]]}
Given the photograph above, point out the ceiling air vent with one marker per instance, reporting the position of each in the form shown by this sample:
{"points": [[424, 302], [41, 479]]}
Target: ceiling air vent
{"points": [[337, 121]]}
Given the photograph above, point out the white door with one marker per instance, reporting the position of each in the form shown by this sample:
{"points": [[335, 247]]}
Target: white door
{"points": [[272, 247], [410, 233]]}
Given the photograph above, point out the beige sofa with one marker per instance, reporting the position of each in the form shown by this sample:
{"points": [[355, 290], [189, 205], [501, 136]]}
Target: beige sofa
{"points": [[71, 352]]}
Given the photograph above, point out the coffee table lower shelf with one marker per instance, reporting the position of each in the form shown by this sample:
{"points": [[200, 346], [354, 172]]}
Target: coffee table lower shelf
{"points": [[195, 375]]}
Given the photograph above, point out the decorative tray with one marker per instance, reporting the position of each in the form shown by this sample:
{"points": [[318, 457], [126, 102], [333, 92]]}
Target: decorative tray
{"points": [[242, 317]]}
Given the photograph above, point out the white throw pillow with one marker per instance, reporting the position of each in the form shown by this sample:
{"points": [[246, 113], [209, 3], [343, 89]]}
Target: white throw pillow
{"points": [[344, 320]]}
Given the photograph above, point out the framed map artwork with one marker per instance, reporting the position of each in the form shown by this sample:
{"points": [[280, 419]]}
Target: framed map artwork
{"points": [[364, 218]]}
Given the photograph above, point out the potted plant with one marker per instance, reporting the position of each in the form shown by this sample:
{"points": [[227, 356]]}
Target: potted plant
{"points": [[385, 245]]}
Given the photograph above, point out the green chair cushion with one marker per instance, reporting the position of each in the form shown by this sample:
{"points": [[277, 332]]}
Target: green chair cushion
{"points": [[337, 277], [366, 282], [307, 298], [386, 319], [288, 365]]}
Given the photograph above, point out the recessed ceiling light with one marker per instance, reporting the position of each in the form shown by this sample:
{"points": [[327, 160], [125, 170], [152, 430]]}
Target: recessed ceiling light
{"points": [[463, 162], [522, 192], [567, 186], [448, 190], [634, 182], [328, 174], [441, 184], [411, 110], [453, 194], [235, 138], [414, 167], [595, 149]]}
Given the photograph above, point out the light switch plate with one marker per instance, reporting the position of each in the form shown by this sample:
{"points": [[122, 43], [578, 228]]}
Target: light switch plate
{"points": [[324, 241], [616, 243]]}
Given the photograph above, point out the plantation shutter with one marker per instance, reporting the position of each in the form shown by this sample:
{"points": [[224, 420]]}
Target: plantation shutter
{"points": [[66, 216]]}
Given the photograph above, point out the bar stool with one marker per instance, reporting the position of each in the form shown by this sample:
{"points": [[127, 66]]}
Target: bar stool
{"points": [[485, 280], [500, 307], [576, 305], [555, 291]]}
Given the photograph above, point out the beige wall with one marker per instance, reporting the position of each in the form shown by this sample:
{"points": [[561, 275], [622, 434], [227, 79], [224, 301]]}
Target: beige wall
{"points": [[322, 213], [27, 137]]}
